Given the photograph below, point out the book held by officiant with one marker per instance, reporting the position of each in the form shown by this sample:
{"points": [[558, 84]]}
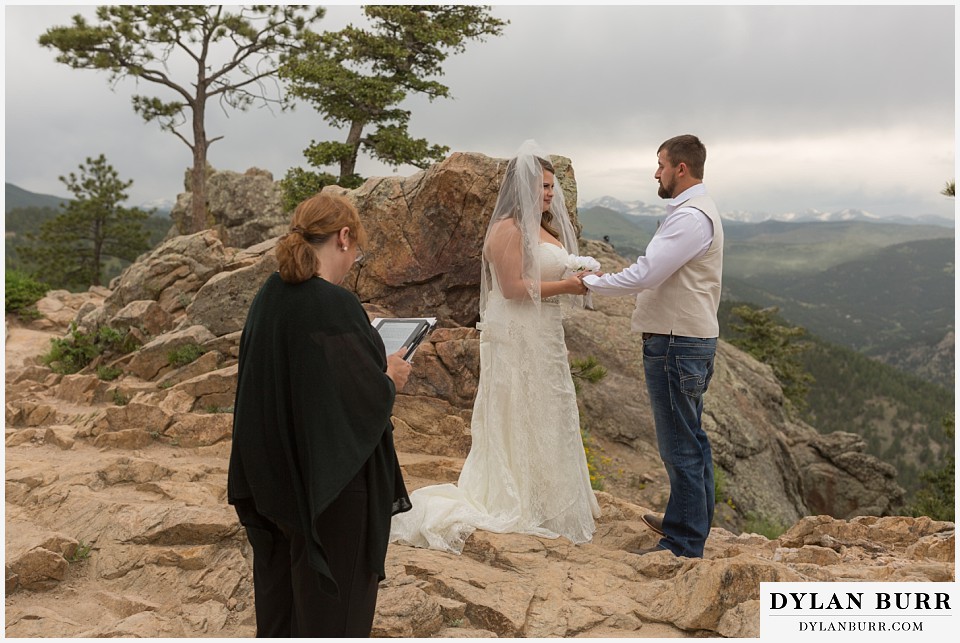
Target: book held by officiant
{"points": [[399, 332]]}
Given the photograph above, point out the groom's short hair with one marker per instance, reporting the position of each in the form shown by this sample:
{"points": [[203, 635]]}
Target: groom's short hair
{"points": [[687, 149]]}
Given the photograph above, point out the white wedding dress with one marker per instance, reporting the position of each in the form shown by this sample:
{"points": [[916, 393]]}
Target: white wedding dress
{"points": [[526, 471]]}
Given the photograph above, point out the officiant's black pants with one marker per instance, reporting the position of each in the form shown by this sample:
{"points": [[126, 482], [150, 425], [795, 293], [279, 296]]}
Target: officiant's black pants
{"points": [[287, 594]]}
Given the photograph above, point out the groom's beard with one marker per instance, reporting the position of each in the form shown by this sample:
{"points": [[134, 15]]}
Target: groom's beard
{"points": [[665, 193]]}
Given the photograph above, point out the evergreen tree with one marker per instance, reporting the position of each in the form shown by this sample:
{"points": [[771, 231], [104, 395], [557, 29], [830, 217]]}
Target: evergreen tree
{"points": [[356, 78], [143, 41], [69, 250], [18, 223], [767, 338], [936, 497]]}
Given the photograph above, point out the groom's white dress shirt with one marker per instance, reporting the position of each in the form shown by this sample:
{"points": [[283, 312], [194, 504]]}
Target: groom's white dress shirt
{"points": [[686, 233]]}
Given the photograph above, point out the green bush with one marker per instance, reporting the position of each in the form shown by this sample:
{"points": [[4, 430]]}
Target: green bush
{"points": [[760, 524], [82, 553], [183, 355], [589, 370], [109, 373], [114, 341], [299, 185], [72, 353], [719, 484], [21, 292]]}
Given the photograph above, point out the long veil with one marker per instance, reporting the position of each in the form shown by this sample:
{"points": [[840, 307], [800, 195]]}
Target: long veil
{"points": [[526, 471], [515, 224]]}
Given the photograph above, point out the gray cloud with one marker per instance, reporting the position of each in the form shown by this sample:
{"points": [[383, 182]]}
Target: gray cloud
{"points": [[800, 106]]}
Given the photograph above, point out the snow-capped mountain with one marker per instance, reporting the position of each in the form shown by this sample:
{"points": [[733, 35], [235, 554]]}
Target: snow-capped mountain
{"points": [[636, 208], [639, 208]]}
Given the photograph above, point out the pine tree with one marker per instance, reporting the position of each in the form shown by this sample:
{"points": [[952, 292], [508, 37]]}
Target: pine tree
{"points": [[774, 343], [69, 251], [142, 41], [936, 497], [356, 78]]}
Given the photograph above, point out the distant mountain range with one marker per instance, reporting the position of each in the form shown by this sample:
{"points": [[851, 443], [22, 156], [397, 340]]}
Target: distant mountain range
{"points": [[641, 209], [882, 288], [16, 197], [19, 198]]}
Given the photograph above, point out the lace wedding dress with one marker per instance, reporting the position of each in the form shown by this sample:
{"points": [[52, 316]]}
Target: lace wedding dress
{"points": [[526, 471]]}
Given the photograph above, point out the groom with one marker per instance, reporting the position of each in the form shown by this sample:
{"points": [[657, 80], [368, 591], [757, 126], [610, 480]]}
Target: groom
{"points": [[677, 283]]}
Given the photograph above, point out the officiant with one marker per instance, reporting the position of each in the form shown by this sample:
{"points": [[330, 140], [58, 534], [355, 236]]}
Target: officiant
{"points": [[313, 472]]}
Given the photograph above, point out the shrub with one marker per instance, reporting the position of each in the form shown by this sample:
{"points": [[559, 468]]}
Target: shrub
{"points": [[72, 353], [218, 409], [183, 355], [21, 292], [113, 340], [109, 373], [719, 484], [760, 524], [82, 552], [590, 371], [594, 460], [299, 185]]}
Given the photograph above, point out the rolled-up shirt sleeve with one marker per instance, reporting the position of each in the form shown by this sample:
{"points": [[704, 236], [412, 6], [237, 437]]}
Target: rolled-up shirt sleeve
{"points": [[685, 235]]}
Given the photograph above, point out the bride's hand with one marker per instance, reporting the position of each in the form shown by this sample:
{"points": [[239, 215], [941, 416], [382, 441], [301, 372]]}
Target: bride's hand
{"points": [[574, 284]]}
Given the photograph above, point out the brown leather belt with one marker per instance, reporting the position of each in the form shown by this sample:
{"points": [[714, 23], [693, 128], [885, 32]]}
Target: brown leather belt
{"points": [[647, 336]]}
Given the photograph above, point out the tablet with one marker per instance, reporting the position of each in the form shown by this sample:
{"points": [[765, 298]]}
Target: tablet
{"points": [[397, 332]]}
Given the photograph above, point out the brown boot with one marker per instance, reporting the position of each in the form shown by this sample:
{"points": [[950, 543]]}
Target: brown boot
{"points": [[654, 522]]}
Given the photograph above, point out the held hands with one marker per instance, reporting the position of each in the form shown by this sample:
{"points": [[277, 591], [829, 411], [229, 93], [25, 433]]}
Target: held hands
{"points": [[398, 369], [573, 285]]}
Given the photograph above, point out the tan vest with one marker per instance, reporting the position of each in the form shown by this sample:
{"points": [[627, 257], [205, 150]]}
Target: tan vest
{"points": [[686, 303]]}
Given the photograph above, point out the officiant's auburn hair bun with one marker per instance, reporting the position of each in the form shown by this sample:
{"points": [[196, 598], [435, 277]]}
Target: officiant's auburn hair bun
{"points": [[313, 222]]}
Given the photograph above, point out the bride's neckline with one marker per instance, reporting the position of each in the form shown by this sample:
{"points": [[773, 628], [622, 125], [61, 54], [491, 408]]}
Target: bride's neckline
{"points": [[550, 243]]}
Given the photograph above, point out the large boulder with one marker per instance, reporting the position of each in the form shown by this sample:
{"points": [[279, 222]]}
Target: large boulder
{"points": [[426, 234], [170, 274], [247, 207], [222, 303]]}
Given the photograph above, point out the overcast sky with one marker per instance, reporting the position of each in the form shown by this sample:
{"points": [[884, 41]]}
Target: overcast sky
{"points": [[800, 107]]}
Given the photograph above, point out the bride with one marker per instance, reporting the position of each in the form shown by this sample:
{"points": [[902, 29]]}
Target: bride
{"points": [[526, 471]]}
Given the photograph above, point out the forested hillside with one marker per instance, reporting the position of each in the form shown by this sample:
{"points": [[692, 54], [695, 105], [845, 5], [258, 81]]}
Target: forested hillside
{"points": [[884, 289], [899, 415], [773, 249], [20, 221], [892, 300], [15, 197]]}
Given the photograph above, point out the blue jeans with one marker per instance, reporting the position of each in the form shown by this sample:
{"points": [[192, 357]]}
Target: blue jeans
{"points": [[678, 371]]}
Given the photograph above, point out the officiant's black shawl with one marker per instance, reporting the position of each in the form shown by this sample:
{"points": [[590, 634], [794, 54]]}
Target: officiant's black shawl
{"points": [[312, 407]]}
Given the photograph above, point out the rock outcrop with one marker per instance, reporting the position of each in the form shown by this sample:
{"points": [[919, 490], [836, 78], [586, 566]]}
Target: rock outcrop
{"points": [[117, 523], [246, 208]]}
